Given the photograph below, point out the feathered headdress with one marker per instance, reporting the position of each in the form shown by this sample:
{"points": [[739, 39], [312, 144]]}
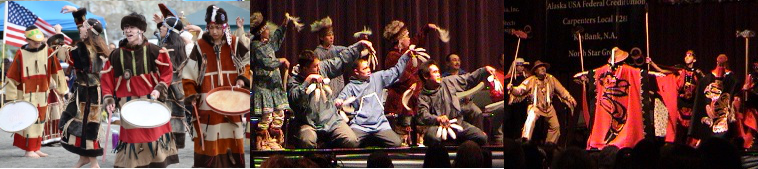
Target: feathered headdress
{"points": [[323, 26]]}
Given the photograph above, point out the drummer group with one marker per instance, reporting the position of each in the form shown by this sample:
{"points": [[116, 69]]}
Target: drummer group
{"points": [[176, 72], [336, 110]]}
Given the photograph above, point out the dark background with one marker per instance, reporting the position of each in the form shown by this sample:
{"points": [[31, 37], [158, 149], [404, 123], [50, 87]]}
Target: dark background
{"points": [[476, 33], [705, 26]]}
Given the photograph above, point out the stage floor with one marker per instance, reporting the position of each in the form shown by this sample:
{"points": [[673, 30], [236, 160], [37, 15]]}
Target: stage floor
{"points": [[406, 157]]}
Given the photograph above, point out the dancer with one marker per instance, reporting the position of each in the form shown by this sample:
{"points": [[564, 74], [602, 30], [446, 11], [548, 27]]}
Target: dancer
{"points": [[138, 70], [81, 135], [215, 62], [714, 114], [326, 49], [29, 78], [439, 106], [398, 34], [169, 31], [618, 117], [317, 116], [269, 97], [541, 87], [516, 74], [365, 89]]}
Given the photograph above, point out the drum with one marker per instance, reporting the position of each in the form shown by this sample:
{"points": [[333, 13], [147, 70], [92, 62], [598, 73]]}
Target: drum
{"points": [[229, 101], [17, 115], [145, 113]]}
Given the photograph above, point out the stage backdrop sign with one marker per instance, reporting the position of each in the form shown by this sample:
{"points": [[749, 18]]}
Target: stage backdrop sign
{"points": [[605, 24], [524, 15]]}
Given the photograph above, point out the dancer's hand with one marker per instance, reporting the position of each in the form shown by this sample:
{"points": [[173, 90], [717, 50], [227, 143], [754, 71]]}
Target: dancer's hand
{"points": [[110, 104], [157, 18], [193, 28], [491, 70], [581, 75], [571, 103], [314, 78], [155, 94], [443, 120], [58, 28], [240, 83], [368, 45], [284, 62], [338, 103], [433, 26], [68, 9], [240, 23]]}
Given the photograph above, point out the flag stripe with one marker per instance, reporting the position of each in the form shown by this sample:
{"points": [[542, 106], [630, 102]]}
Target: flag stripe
{"points": [[19, 18]]}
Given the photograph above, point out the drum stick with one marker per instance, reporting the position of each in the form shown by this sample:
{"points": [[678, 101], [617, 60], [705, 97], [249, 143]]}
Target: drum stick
{"points": [[107, 136], [197, 124]]}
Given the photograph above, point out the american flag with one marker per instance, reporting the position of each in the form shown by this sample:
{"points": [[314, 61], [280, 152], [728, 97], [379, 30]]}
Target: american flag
{"points": [[18, 19]]}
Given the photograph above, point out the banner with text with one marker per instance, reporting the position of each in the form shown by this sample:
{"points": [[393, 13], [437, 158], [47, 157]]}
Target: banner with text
{"points": [[603, 24]]}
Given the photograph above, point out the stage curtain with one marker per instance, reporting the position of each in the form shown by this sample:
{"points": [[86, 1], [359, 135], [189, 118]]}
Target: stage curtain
{"points": [[476, 27]]}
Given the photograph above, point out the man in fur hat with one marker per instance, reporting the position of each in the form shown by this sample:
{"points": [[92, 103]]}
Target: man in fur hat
{"points": [[213, 63], [29, 78], [541, 87], [138, 70]]}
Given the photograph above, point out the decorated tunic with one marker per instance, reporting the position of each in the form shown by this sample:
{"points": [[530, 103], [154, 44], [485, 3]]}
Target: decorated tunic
{"points": [[29, 78], [223, 135]]}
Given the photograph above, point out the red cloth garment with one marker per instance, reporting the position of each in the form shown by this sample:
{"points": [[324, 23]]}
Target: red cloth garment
{"points": [[142, 83], [667, 88], [749, 126], [394, 103], [618, 112]]}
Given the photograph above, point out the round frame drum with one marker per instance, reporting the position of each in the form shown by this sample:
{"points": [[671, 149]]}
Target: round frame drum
{"points": [[145, 113], [17, 115], [229, 101]]}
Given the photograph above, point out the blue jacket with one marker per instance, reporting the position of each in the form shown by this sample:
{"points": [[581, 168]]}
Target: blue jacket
{"points": [[369, 114], [321, 115]]}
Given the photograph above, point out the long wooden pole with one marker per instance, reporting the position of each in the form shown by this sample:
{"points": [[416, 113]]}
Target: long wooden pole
{"points": [[585, 108], [513, 69], [747, 48], [2, 62], [581, 51], [647, 38]]}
